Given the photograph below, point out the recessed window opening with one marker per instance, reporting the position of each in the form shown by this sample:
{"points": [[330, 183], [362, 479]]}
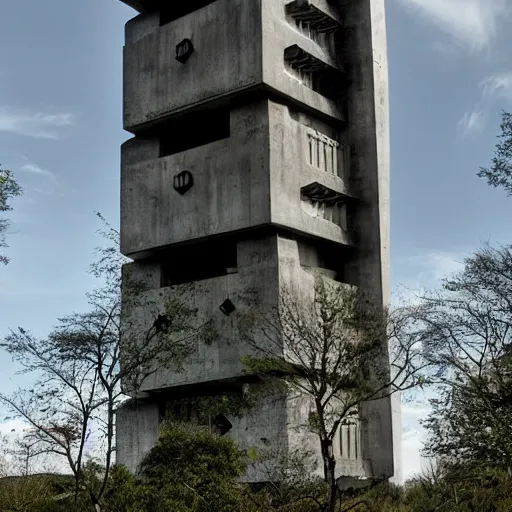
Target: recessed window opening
{"points": [[327, 83], [194, 130], [312, 22], [198, 262], [322, 202], [350, 438], [327, 154], [324, 255], [316, 74], [173, 9]]}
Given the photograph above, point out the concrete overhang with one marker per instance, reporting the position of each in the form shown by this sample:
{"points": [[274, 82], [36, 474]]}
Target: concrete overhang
{"points": [[139, 5]]}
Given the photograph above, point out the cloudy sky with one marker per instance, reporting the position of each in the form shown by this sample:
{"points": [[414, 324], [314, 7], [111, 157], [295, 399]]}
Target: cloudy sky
{"points": [[60, 132]]}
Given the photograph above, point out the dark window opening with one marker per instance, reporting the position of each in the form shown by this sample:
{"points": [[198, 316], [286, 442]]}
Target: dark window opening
{"points": [[173, 9], [312, 20], [326, 256], [222, 425], [194, 130], [199, 261], [181, 411], [316, 74]]}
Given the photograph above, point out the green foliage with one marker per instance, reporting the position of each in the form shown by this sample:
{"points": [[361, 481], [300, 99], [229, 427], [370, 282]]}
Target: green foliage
{"points": [[193, 470], [465, 426], [189, 470], [163, 487], [460, 489], [38, 493], [193, 455], [499, 174]]}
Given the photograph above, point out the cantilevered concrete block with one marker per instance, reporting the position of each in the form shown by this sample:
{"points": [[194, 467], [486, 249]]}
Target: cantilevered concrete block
{"points": [[238, 45], [259, 175], [263, 267]]}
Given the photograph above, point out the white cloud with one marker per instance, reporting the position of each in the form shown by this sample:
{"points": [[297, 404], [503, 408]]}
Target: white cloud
{"points": [[419, 274], [414, 435], [43, 125], [495, 88], [472, 24], [472, 123], [498, 85], [436, 265], [13, 426], [36, 170], [412, 461]]}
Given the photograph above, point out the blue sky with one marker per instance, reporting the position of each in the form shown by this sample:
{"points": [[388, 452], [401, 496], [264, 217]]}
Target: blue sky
{"points": [[60, 132]]}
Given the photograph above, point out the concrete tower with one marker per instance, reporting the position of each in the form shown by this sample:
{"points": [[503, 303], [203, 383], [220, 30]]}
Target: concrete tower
{"points": [[260, 158]]}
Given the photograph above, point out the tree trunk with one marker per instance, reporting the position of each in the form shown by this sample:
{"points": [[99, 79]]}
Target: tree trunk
{"points": [[329, 473], [110, 441]]}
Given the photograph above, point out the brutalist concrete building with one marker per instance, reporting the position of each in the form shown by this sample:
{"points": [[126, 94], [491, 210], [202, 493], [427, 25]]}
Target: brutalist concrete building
{"points": [[259, 158]]}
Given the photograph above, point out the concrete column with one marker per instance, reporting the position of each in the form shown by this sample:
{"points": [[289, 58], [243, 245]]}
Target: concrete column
{"points": [[396, 407], [136, 432]]}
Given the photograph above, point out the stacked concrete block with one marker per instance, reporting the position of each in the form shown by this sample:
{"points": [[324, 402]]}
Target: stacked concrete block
{"points": [[260, 160]]}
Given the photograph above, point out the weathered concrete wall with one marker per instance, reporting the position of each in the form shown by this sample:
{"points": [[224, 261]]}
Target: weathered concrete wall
{"points": [[304, 151], [231, 188], [298, 136], [250, 179], [239, 45], [264, 430], [363, 45], [266, 266], [274, 428], [220, 358], [137, 424], [227, 39]]}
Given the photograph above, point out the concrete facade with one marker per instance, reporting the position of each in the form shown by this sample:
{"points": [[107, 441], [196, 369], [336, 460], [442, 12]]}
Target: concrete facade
{"points": [[260, 159], [225, 63], [251, 179]]}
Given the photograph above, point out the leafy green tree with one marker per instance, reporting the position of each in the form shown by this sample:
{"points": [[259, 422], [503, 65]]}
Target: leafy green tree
{"points": [[466, 425], [9, 189], [499, 174], [188, 470]]}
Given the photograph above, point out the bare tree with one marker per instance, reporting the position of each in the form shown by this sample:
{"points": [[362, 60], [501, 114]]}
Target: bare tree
{"points": [[9, 189], [81, 365], [466, 328], [335, 352], [4, 449], [499, 174]]}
